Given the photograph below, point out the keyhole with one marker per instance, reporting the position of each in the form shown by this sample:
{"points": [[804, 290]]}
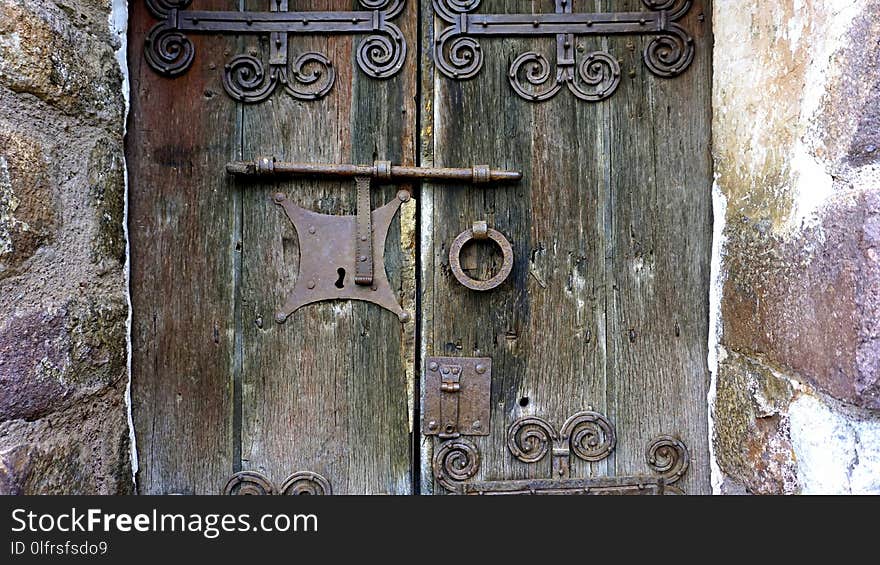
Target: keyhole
{"points": [[340, 283]]}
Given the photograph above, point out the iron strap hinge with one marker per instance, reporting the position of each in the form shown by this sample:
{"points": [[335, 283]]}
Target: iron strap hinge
{"points": [[590, 76], [308, 76]]}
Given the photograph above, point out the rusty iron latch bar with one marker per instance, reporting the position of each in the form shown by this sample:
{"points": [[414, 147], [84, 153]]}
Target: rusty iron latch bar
{"points": [[456, 399], [596, 77], [333, 247], [587, 434], [309, 76]]}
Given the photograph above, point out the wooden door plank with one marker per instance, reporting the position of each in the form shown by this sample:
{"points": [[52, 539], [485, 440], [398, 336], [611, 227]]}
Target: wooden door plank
{"points": [[181, 225], [328, 391], [544, 327], [604, 185], [661, 207]]}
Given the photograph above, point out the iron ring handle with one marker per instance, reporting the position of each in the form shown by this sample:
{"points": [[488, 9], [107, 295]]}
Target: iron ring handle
{"points": [[480, 231]]}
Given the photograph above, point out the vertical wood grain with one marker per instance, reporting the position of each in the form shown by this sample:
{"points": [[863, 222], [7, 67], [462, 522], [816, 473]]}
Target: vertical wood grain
{"points": [[611, 229], [181, 226], [327, 391]]}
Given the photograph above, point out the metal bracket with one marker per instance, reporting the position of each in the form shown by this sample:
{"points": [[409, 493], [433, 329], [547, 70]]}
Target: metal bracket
{"points": [[309, 76], [333, 249], [457, 393], [458, 54], [589, 435]]}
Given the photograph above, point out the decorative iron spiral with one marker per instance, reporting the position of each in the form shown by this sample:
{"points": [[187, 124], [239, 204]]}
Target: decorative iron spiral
{"points": [[447, 9], [161, 8], [168, 51], [313, 76], [249, 483], [382, 54], [457, 56], [529, 438], [534, 69], [677, 8], [306, 483], [391, 8], [600, 72], [455, 460], [245, 79], [670, 54], [668, 457], [591, 435]]}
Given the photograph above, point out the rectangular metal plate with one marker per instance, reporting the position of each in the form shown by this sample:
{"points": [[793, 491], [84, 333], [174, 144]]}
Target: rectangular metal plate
{"points": [[475, 380]]}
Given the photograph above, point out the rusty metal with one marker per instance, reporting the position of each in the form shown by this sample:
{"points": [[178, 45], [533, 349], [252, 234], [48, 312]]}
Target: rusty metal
{"points": [[249, 483], [457, 396], [480, 231], [308, 76], [268, 167], [364, 243], [336, 251], [328, 259], [596, 77], [305, 482], [255, 483], [587, 434], [455, 460]]}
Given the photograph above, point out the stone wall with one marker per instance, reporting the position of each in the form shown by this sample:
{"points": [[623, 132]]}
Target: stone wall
{"points": [[63, 305], [796, 304]]}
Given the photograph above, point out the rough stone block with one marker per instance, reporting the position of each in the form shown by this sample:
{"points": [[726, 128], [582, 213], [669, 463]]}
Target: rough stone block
{"points": [[50, 360], [82, 450], [43, 54], [27, 200]]}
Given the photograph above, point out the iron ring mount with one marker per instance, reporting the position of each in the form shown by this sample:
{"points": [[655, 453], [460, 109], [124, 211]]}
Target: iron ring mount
{"points": [[480, 231]]}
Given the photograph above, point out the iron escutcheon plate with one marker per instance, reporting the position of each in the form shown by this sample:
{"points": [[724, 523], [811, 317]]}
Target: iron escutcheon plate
{"points": [[472, 400], [327, 258]]}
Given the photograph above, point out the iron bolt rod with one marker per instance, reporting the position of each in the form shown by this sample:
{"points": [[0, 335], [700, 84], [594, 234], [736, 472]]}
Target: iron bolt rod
{"points": [[383, 171]]}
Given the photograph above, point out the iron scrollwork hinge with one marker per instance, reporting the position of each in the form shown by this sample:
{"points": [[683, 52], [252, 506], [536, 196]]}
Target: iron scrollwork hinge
{"points": [[596, 77], [309, 76], [587, 434], [299, 483]]}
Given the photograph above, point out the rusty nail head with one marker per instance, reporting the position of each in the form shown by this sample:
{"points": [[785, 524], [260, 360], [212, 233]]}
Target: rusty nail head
{"points": [[280, 197], [480, 368], [432, 425], [433, 366]]}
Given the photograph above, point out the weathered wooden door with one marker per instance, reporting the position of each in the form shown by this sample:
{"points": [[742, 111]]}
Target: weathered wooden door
{"points": [[597, 338]]}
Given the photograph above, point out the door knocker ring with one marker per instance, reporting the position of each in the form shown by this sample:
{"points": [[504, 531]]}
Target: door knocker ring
{"points": [[480, 231]]}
